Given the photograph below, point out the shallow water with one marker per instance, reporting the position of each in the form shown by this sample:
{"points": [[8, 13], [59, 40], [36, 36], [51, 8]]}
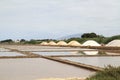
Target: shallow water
{"points": [[44, 48], [57, 53], [57, 50], [35, 68], [2, 49], [10, 54], [52, 49], [75, 53], [96, 61]]}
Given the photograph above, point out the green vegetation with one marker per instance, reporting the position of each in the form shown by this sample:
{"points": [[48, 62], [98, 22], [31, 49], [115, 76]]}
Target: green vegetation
{"points": [[82, 40], [91, 35], [99, 38], [31, 42], [22, 40], [111, 38], [7, 41], [86, 36], [109, 73]]}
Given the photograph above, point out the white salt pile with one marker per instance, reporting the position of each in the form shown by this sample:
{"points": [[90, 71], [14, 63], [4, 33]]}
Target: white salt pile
{"points": [[114, 43], [62, 43], [52, 43], [74, 43], [91, 43], [44, 43]]}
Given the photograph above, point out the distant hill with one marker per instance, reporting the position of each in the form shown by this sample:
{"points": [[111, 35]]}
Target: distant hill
{"points": [[71, 36]]}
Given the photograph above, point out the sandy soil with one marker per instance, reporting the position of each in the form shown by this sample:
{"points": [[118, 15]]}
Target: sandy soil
{"points": [[62, 79]]}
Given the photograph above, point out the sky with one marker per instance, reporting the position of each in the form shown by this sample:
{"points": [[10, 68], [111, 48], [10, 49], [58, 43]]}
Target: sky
{"points": [[42, 19]]}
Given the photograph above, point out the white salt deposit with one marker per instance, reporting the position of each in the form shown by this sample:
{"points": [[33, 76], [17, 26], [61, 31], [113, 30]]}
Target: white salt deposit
{"points": [[62, 43], [91, 43], [52, 43], [44, 43], [114, 43], [74, 43]]}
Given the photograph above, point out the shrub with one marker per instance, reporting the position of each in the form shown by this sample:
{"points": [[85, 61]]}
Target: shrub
{"points": [[109, 73], [7, 41], [111, 38]]}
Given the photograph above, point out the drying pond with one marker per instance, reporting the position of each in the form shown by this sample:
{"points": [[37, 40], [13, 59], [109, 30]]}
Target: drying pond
{"points": [[44, 48], [35, 68], [10, 54], [96, 61], [3, 50], [54, 53]]}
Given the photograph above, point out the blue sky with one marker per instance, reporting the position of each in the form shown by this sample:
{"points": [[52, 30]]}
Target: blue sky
{"points": [[41, 19]]}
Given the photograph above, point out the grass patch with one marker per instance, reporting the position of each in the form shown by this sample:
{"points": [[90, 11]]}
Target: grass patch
{"points": [[109, 73]]}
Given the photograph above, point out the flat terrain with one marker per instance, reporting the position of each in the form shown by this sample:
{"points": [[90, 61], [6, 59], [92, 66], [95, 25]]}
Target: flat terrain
{"points": [[31, 62]]}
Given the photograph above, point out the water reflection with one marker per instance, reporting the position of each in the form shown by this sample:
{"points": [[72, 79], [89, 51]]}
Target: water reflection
{"points": [[96, 53], [77, 53], [91, 52]]}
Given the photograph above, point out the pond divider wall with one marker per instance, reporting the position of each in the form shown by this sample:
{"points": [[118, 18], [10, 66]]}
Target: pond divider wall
{"points": [[15, 57], [32, 55], [83, 55], [81, 65]]}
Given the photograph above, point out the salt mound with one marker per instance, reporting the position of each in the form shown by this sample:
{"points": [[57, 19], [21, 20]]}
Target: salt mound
{"points": [[44, 43], [91, 43], [62, 43], [114, 43], [52, 43], [74, 43]]}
